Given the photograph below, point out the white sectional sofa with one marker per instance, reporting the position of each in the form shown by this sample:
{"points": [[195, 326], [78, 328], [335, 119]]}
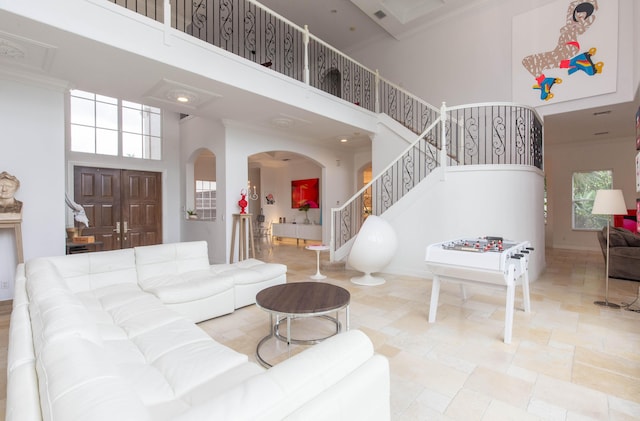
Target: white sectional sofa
{"points": [[111, 336]]}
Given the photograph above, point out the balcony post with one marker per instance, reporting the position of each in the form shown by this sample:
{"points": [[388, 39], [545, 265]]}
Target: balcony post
{"points": [[305, 41], [443, 136], [377, 92], [167, 13]]}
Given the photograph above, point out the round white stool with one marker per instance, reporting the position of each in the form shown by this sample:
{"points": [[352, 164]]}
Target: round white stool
{"points": [[317, 249]]}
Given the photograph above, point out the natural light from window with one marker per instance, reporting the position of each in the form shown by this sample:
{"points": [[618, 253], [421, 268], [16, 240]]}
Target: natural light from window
{"points": [[109, 126], [206, 200], [584, 188]]}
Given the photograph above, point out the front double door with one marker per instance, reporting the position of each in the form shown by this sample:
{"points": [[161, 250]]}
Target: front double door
{"points": [[124, 207]]}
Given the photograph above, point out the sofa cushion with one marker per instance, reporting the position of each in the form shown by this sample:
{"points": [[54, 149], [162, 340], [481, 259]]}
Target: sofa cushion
{"points": [[55, 312], [632, 239], [186, 287], [78, 381], [250, 271], [170, 259], [88, 271]]}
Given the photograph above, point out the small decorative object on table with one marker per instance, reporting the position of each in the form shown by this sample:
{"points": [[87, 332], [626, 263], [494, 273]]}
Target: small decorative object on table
{"points": [[305, 207], [243, 201]]}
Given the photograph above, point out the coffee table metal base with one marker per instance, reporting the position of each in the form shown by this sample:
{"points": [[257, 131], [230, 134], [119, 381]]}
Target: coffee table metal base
{"points": [[275, 332]]}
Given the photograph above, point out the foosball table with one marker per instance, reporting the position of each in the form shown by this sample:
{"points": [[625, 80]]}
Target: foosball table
{"points": [[487, 261]]}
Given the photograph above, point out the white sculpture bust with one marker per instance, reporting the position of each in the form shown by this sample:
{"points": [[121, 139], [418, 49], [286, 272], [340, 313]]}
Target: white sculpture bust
{"points": [[10, 207]]}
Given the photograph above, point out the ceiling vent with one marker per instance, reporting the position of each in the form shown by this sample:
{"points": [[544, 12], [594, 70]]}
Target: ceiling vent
{"points": [[380, 14]]}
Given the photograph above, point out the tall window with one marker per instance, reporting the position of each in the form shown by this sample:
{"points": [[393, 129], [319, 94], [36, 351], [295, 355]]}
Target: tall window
{"points": [[584, 188], [109, 126], [206, 199]]}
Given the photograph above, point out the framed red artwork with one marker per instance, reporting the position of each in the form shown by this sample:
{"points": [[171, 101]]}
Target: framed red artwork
{"points": [[305, 191]]}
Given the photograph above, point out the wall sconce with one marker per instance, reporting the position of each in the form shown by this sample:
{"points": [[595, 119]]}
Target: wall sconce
{"points": [[251, 195]]}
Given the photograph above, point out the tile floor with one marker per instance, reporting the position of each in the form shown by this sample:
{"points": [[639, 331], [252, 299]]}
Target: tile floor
{"points": [[569, 359]]}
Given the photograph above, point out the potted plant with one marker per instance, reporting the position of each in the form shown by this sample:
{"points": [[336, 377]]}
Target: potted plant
{"points": [[305, 207], [191, 214]]}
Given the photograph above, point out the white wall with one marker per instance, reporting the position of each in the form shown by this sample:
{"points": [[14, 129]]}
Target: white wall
{"points": [[197, 134], [563, 160], [233, 143], [469, 202], [32, 144]]}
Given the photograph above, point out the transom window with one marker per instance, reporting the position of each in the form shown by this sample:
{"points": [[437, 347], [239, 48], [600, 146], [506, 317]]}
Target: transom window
{"points": [[584, 188], [109, 126]]}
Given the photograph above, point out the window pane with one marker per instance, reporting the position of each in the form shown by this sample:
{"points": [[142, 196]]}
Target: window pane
{"points": [[96, 126], [132, 145], [206, 199], [106, 99], [107, 142], [133, 105], [155, 125], [584, 188], [83, 139], [106, 116], [131, 120], [82, 111], [155, 148], [83, 94]]}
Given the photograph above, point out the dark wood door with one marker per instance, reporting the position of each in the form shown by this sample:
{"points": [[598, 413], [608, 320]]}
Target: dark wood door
{"points": [[124, 207], [141, 208]]}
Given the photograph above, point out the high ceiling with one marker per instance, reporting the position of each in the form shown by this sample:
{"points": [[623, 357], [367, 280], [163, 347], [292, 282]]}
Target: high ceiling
{"points": [[345, 24], [342, 23]]}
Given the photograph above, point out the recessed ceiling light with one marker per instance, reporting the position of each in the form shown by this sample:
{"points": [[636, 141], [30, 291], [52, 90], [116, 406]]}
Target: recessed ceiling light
{"points": [[182, 96], [602, 112], [600, 133], [343, 140]]}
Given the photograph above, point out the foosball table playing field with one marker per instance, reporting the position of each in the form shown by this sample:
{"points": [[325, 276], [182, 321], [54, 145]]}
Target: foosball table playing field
{"points": [[487, 261]]}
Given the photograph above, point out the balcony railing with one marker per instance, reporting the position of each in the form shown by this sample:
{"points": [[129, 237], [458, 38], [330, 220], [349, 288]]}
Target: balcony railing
{"points": [[252, 31]]}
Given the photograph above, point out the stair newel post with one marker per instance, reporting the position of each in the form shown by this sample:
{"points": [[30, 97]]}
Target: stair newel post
{"points": [[443, 136], [305, 41], [167, 13], [377, 93]]}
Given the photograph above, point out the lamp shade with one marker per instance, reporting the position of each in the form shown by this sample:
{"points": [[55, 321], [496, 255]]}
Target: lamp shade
{"points": [[609, 202]]}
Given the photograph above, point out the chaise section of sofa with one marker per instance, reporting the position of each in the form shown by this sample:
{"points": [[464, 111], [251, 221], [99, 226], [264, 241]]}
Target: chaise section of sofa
{"points": [[180, 275]]}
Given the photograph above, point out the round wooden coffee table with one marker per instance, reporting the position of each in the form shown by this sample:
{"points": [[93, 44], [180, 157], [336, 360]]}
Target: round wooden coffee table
{"points": [[299, 300]]}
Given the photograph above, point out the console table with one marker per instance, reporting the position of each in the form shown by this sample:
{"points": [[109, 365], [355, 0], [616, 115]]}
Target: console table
{"points": [[297, 231]]}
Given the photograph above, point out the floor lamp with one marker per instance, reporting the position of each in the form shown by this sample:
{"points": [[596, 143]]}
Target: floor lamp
{"points": [[608, 202]]}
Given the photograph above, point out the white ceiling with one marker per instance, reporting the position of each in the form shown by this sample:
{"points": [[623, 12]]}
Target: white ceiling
{"points": [[347, 24]]}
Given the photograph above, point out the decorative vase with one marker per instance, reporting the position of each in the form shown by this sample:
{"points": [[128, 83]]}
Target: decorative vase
{"points": [[243, 202], [306, 218]]}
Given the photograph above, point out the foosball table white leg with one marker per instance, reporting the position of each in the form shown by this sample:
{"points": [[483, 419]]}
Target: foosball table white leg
{"points": [[525, 291], [463, 292], [510, 303], [435, 292]]}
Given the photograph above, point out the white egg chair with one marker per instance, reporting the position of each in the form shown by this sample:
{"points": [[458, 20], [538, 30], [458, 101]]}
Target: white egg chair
{"points": [[372, 250]]}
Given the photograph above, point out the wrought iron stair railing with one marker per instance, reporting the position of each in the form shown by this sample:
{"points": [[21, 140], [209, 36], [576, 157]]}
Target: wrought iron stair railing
{"points": [[474, 134]]}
